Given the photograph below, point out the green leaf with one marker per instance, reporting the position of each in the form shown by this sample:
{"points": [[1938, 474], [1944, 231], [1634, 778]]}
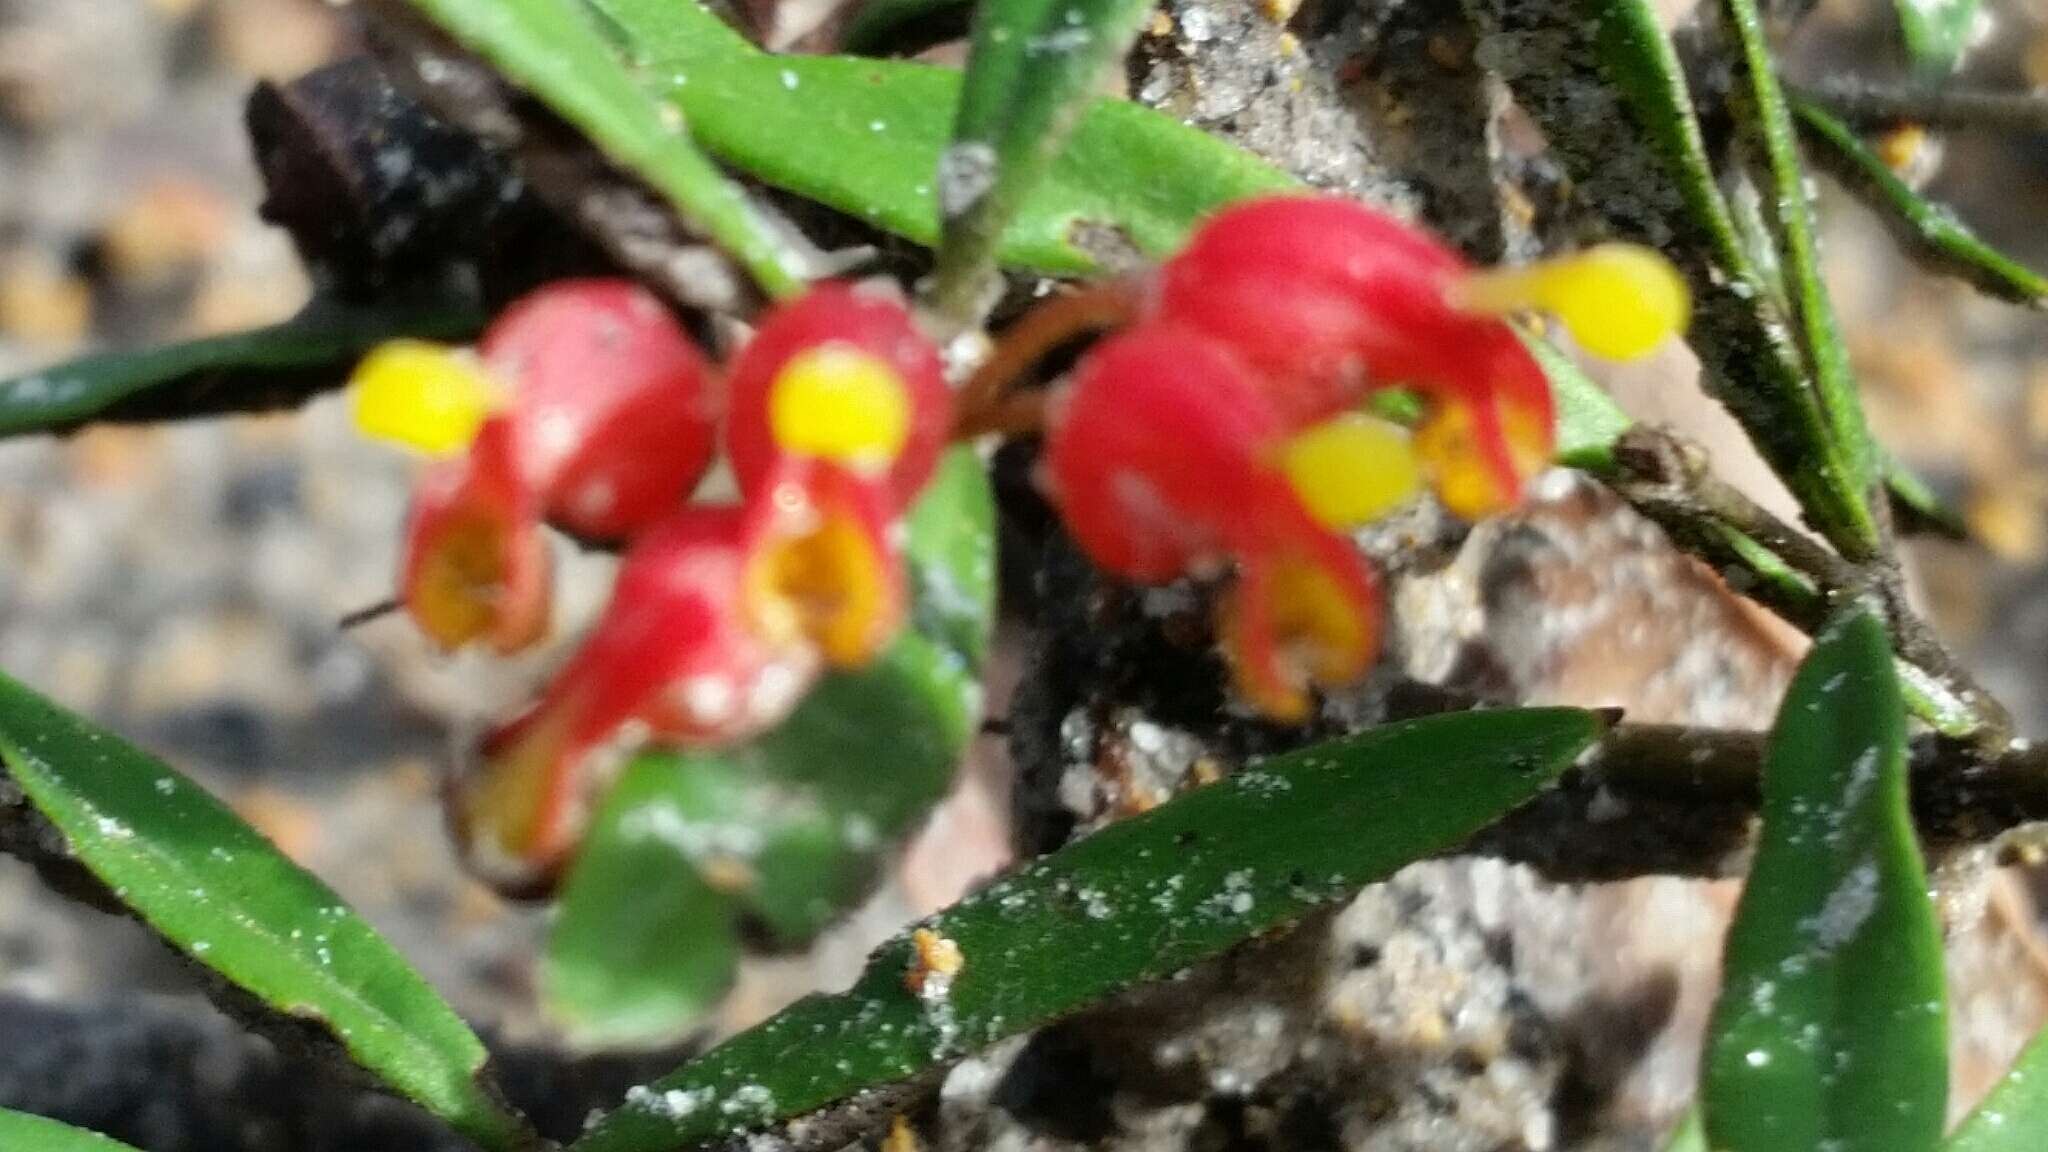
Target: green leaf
{"points": [[1690, 1135], [1926, 229], [1850, 459], [20, 1132], [1936, 32], [642, 945], [952, 554], [269, 367], [2013, 1117], [865, 137], [555, 51], [1588, 419], [1031, 70], [1135, 902], [219, 893], [1830, 1028], [788, 831], [1603, 82]]}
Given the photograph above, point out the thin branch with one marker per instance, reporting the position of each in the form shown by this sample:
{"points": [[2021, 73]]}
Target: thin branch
{"points": [[1668, 480], [1878, 105]]}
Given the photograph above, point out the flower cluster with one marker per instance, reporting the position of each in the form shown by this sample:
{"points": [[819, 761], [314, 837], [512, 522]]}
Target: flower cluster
{"points": [[1224, 426], [587, 406]]}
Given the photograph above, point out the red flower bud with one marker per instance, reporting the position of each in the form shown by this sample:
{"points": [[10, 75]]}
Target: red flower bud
{"points": [[840, 374]]}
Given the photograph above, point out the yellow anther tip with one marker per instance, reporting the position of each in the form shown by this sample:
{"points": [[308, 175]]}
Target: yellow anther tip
{"points": [[1618, 301], [840, 404], [1352, 469], [421, 395]]}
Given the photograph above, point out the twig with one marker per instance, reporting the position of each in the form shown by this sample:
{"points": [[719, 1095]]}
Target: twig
{"points": [[1876, 105], [1669, 482]]}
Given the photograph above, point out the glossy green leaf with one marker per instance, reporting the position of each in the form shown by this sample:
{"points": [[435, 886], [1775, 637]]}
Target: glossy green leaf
{"points": [[787, 832], [554, 50], [1926, 229], [266, 368], [2013, 1117], [219, 893], [20, 1132], [865, 137], [1849, 458], [1830, 1028], [1937, 32], [1604, 83], [1135, 902], [1032, 68]]}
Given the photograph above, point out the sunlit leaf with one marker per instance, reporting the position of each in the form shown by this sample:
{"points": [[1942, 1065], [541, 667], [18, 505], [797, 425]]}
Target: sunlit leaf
{"points": [[1928, 230], [865, 137], [1848, 459], [1134, 902], [20, 1132], [1830, 1028], [222, 895], [554, 50]]}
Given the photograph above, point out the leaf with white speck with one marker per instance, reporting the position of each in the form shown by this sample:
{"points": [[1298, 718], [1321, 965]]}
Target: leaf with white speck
{"points": [[1830, 1031], [1134, 902], [216, 890]]}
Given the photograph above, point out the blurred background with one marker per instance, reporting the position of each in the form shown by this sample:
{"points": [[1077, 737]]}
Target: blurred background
{"points": [[183, 584]]}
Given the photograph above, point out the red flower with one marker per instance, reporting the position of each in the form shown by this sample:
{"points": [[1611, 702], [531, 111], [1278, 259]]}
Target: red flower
{"points": [[589, 407], [1166, 458], [720, 620], [1330, 300], [475, 564], [842, 374]]}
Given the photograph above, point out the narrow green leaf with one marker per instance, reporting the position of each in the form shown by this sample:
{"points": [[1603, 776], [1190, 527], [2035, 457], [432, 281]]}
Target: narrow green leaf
{"points": [[1830, 1028], [20, 1132], [1937, 32], [865, 137], [1926, 229], [217, 891], [788, 831], [269, 367], [1603, 82], [554, 50], [1134, 902], [2014, 1116], [1848, 457], [1031, 70]]}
